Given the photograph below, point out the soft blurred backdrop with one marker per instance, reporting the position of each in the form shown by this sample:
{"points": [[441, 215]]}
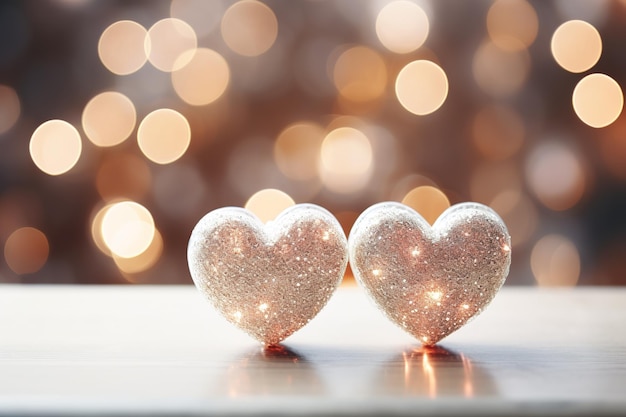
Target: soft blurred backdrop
{"points": [[124, 122]]}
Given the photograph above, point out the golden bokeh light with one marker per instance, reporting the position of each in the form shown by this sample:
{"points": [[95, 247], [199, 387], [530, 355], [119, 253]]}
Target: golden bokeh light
{"points": [[576, 46], [428, 201], [422, 87], [170, 44], [297, 149], [402, 26], [109, 118], [121, 47], [164, 136], [10, 108], [555, 262], [55, 147], [498, 131], [203, 79], [555, 174], [360, 74], [127, 229], [249, 28], [345, 160], [145, 260], [598, 100], [500, 72], [26, 250], [123, 175], [269, 203], [512, 24], [96, 228]]}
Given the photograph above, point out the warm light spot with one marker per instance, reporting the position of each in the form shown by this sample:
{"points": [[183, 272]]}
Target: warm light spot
{"points": [[297, 149], [237, 315], [204, 79], [598, 100], [10, 108], [360, 74], [555, 261], [555, 174], [269, 203], [109, 118], [498, 131], [168, 44], [512, 24], [145, 260], [422, 87], [326, 235], [204, 16], [127, 229], [415, 252], [428, 201], [123, 175], [466, 306], [576, 46], [55, 147], [435, 295], [26, 250], [164, 136], [500, 72], [402, 26], [122, 47], [263, 308], [425, 340], [376, 272], [345, 160], [249, 28], [96, 229], [506, 248]]}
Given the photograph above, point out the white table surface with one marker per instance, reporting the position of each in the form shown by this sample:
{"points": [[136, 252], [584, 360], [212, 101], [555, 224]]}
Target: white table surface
{"points": [[68, 350]]}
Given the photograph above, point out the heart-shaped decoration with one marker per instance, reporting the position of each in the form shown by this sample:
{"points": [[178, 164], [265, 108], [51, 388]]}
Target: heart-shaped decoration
{"points": [[430, 280], [268, 279]]}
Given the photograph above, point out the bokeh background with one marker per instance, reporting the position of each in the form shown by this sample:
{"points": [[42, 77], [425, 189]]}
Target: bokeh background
{"points": [[124, 122]]}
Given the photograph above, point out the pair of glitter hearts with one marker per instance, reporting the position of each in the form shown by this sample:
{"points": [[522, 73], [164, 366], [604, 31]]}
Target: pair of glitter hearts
{"points": [[272, 279]]}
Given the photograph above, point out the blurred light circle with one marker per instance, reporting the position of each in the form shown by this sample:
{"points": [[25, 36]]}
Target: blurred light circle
{"points": [[500, 72], [269, 203], [127, 229], [203, 79], [26, 250], [598, 100], [145, 260], [555, 262], [9, 108], [55, 147], [402, 26], [297, 150], [360, 74], [168, 44], [498, 131], [512, 24], [345, 160], [109, 118], [422, 87], [123, 175], [428, 201], [164, 136], [555, 175], [96, 228], [249, 28], [121, 47], [576, 46]]}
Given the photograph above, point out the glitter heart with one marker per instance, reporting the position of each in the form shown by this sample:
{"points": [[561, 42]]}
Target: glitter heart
{"points": [[268, 279], [430, 281]]}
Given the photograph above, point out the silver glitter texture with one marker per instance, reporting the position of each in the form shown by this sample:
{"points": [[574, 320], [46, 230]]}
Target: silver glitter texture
{"points": [[430, 281], [268, 279]]}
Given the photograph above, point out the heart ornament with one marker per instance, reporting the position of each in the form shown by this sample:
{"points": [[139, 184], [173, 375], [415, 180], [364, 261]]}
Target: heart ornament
{"points": [[268, 279], [430, 281]]}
